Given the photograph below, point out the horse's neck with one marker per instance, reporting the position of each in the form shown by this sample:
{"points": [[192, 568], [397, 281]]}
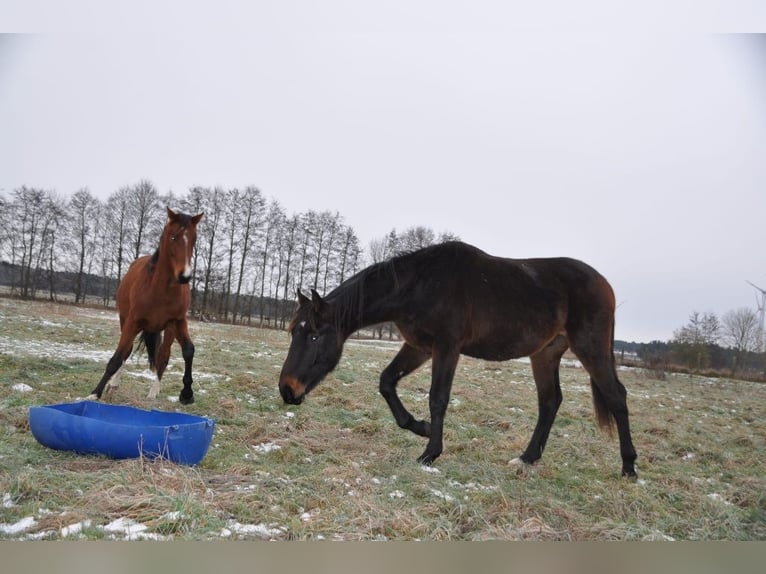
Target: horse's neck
{"points": [[369, 298], [160, 267]]}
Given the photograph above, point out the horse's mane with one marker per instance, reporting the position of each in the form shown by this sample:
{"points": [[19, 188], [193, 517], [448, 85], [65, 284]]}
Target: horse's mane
{"points": [[348, 298]]}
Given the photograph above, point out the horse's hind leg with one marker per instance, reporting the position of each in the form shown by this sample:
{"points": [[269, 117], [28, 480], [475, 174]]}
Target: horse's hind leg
{"points": [[407, 360], [609, 394], [187, 349], [161, 360], [545, 368]]}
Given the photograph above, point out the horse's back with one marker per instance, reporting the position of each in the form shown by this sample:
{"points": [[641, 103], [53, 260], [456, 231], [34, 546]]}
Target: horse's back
{"points": [[503, 308]]}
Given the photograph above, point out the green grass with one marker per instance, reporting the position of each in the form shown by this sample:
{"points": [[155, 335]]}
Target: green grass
{"points": [[343, 470]]}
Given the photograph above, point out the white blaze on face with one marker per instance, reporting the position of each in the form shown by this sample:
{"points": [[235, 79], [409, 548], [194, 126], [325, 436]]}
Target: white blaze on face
{"points": [[187, 268]]}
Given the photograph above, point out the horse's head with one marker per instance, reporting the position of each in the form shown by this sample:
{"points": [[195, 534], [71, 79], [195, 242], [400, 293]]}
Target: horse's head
{"points": [[315, 349], [178, 239]]}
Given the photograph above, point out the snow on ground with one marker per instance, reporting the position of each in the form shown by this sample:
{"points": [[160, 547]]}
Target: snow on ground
{"points": [[125, 528], [52, 350]]}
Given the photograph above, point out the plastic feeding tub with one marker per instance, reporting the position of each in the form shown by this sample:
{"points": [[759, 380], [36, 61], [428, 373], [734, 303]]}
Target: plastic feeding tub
{"points": [[118, 431]]}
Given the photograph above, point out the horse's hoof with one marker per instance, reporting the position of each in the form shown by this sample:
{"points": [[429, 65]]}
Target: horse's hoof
{"points": [[427, 458], [185, 400], [91, 397], [630, 476], [519, 465]]}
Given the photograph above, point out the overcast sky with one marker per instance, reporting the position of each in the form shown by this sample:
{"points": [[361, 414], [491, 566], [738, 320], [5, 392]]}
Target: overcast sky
{"points": [[640, 149]]}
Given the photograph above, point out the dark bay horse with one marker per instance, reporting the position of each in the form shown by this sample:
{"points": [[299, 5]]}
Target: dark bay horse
{"points": [[452, 299], [153, 297]]}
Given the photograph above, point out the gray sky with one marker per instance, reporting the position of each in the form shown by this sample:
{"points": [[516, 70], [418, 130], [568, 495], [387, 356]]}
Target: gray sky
{"points": [[637, 147]]}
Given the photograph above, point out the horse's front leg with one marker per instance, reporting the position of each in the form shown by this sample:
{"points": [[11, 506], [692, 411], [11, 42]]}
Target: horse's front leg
{"points": [[110, 379], [442, 373], [187, 349], [407, 360]]}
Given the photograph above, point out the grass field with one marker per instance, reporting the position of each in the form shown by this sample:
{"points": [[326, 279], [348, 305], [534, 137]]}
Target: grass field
{"points": [[338, 467]]}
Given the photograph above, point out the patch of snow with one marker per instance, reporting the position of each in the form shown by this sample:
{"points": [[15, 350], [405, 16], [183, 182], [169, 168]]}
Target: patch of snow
{"points": [[440, 494], [431, 469], [471, 486], [51, 349], [22, 388], [266, 447], [396, 494], [8, 501], [258, 530], [74, 529], [657, 536], [17, 527], [718, 498], [125, 526]]}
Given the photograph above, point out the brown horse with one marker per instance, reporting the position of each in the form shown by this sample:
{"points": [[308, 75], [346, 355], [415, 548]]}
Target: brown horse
{"points": [[153, 297], [452, 299]]}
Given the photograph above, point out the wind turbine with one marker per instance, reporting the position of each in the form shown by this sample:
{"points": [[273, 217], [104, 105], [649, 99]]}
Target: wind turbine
{"points": [[761, 305]]}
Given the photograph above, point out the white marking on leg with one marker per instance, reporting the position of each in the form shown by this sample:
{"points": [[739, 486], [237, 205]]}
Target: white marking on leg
{"points": [[114, 381], [154, 390]]}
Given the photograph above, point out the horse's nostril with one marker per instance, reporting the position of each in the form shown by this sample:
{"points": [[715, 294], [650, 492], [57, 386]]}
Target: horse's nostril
{"points": [[289, 396]]}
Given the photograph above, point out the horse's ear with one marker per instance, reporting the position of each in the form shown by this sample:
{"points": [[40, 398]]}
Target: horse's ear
{"points": [[318, 302], [196, 218], [302, 299], [171, 214]]}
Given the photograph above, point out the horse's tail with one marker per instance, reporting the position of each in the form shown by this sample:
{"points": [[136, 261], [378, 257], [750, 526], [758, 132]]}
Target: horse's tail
{"points": [[151, 341], [604, 416]]}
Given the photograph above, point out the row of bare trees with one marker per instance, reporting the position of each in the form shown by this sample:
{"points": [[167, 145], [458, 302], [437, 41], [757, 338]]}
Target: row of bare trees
{"points": [[251, 255], [698, 343]]}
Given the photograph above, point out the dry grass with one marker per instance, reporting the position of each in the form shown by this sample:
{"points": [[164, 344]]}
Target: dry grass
{"points": [[338, 467]]}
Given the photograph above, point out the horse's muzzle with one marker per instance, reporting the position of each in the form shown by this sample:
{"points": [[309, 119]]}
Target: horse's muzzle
{"points": [[291, 392]]}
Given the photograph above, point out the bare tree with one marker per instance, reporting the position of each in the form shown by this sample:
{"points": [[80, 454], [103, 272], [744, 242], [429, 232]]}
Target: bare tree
{"points": [[350, 254], [213, 201], [31, 216], [145, 217], [250, 212], [230, 229], [83, 209], [693, 341], [118, 221], [290, 233], [274, 235], [416, 238], [741, 330], [332, 224], [55, 221]]}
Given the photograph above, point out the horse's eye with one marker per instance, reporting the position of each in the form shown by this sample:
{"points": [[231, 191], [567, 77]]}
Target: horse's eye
{"points": [[314, 337], [173, 237]]}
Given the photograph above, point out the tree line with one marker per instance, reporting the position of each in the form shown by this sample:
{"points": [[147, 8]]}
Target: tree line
{"points": [[251, 255], [706, 343]]}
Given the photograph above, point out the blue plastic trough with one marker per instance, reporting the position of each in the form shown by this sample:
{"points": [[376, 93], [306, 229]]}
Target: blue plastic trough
{"points": [[118, 431]]}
